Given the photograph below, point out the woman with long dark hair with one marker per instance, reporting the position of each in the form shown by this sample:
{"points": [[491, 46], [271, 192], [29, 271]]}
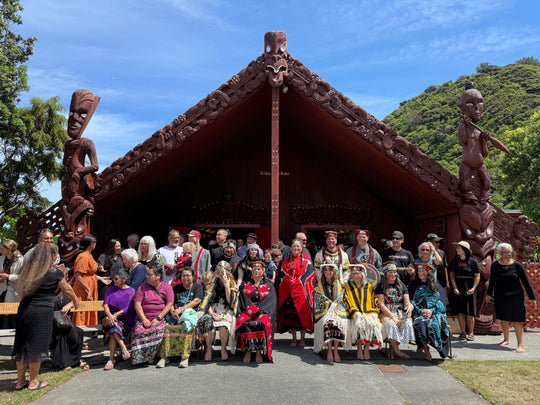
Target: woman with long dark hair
{"points": [[112, 263], [38, 281], [464, 277], [85, 285]]}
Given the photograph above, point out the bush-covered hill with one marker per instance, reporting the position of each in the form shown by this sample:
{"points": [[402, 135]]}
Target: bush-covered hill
{"points": [[430, 120]]}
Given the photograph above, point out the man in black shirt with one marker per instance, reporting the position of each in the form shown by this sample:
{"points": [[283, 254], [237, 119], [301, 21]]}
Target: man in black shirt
{"points": [[402, 257]]}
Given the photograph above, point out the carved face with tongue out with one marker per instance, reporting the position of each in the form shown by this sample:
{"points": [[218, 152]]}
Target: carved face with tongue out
{"points": [[275, 57]]}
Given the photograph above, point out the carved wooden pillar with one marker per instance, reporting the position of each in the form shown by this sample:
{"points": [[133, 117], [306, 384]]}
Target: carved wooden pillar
{"points": [[274, 224], [275, 62]]}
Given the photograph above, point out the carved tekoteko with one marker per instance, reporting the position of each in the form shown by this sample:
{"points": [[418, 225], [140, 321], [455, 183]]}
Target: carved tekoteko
{"points": [[275, 57], [78, 186]]}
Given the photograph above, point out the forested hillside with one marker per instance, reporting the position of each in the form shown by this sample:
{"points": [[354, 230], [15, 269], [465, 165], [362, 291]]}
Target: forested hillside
{"points": [[511, 97]]}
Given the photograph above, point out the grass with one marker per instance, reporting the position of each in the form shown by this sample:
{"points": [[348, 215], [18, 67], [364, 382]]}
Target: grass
{"points": [[7, 383], [499, 382]]}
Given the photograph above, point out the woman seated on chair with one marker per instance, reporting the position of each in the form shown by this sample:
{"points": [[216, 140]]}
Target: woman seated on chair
{"points": [[429, 313], [182, 320], [363, 307], [220, 305], [257, 306], [153, 300], [395, 308], [119, 316], [331, 318]]}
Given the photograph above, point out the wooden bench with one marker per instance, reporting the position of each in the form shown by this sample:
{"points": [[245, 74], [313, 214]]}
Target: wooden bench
{"points": [[9, 308]]}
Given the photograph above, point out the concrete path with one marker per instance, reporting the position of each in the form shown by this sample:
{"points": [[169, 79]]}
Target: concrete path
{"points": [[297, 376]]}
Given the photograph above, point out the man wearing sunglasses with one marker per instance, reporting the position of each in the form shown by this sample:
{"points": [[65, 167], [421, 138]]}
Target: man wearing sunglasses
{"points": [[403, 258]]}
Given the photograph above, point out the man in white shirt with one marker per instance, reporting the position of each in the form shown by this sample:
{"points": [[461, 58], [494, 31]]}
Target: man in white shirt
{"points": [[170, 254]]}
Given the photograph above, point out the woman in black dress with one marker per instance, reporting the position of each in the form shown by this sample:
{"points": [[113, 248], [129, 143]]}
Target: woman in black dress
{"points": [[38, 281], [506, 291], [465, 276]]}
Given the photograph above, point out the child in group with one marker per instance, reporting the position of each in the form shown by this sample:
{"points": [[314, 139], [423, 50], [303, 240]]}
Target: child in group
{"points": [[270, 266], [183, 261]]}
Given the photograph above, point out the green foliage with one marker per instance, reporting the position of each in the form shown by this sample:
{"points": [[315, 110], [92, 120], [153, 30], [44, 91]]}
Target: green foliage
{"points": [[511, 95], [518, 174], [31, 138], [9, 229]]}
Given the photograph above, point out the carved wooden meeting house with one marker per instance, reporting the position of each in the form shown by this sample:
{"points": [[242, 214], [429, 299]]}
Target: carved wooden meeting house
{"points": [[278, 150]]}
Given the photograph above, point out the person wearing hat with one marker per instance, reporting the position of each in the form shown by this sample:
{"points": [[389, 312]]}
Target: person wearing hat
{"points": [[396, 309], [441, 270], [332, 254], [464, 278], [244, 267], [429, 312], [403, 258], [201, 257], [257, 308], [229, 255], [250, 239], [362, 251]]}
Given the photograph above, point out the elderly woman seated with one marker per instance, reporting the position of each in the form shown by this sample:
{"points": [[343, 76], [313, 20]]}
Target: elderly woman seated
{"points": [[258, 308], [395, 309], [363, 307], [220, 304], [331, 318], [181, 320], [429, 313], [153, 300], [120, 315]]}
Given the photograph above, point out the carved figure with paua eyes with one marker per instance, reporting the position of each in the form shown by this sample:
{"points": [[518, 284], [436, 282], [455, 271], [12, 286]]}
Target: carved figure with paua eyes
{"points": [[275, 57]]}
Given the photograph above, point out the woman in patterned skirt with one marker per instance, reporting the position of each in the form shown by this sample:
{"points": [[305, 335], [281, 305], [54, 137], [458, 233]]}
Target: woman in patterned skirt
{"points": [[182, 319], [153, 300]]}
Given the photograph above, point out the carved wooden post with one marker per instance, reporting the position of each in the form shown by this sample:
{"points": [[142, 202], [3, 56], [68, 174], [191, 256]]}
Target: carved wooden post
{"points": [[275, 62], [274, 225]]}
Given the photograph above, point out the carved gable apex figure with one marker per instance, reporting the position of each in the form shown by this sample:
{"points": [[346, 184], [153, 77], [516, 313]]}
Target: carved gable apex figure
{"points": [[275, 57]]}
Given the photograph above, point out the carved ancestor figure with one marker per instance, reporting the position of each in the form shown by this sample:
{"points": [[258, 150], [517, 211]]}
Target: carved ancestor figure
{"points": [[78, 186], [475, 213], [275, 57]]}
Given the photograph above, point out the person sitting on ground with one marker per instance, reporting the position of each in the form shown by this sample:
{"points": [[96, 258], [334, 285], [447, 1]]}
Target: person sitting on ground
{"points": [[395, 309], [363, 307], [257, 307], [153, 300], [119, 316], [181, 320], [429, 312], [331, 322], [220, 305]]}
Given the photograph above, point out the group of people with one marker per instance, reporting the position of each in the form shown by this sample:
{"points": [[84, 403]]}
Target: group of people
{"points": [[162, 303]]}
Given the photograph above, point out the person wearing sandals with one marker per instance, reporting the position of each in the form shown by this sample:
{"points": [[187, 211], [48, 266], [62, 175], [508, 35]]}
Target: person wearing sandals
{"points": [[152, 301], [119, 316], [181, 320], [464, 277], [38, 282], [396, 309], [220, 304]]}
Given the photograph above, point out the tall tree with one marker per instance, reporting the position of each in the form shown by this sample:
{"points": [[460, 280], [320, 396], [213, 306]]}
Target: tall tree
{"points": [[31, 138], [518, 174]]}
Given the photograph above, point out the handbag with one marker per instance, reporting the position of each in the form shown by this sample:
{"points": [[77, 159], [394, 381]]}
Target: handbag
{"points": [[62, 321]]}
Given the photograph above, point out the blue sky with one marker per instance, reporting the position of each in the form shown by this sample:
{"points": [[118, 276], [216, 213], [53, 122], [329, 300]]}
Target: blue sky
{"points": [[150, 61]]}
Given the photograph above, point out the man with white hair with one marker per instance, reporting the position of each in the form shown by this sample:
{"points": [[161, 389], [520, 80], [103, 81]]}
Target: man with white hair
{"points": [[217, 249], [300, 236], [170, 254]]}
